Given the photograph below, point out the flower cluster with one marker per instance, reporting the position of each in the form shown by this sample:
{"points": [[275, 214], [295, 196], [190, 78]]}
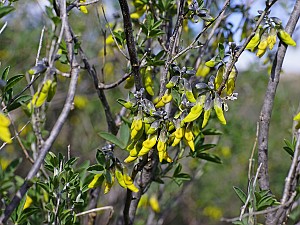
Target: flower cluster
{"points": [[265, 37]]}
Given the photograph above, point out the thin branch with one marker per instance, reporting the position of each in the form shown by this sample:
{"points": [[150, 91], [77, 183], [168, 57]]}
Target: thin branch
{"points": [[57, 126], [249, 194], [93, 73], [217, 21], [242, 48], [3, 27], [40, 46], [131, 46], [266, 111], [163, 78], [115, 84], [290, 183], [112, 33], [110, 208]]}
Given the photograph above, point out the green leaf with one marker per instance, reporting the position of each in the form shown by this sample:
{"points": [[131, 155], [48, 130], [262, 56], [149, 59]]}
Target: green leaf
{"points": [[177, 170], [13, 81], [221, 50], [5, 73], [95, 169], [13, 165], [100, 157], [242, 196], [112, 138], [209, 157], [124, 133], [4, 10], [211, 131], [23, 99], [289, 151], [43, 185], [205, 147], [27, 213]]}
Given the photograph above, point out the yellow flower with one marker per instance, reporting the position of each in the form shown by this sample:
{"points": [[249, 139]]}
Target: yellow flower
{"points": [[206, 117], [83, 7], [154, 204], [230, 85], [219, 77], [203, 70], [253, 42], [28, 202], [148, 81], [219, 110], [262, 47], [4, 130], [190, 96], [286, 38], [96, 181], [272, 39], [195, 112]]}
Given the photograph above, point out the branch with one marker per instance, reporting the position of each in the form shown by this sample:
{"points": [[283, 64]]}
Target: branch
{"points": [[242, 48], [93, 73], [131, 44], [57, 126], [115, 84], [110, 208], [290, 184], [163, 78], [265, 115]]}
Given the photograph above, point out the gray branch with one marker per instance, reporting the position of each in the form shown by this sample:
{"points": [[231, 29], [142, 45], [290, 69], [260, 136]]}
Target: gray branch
{"points": [[265, 115]]}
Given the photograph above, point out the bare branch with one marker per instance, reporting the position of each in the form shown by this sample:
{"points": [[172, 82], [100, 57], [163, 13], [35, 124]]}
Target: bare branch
{"points": [[110, 208], [115, 84]]}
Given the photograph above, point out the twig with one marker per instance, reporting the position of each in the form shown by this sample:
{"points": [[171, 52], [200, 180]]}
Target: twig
{"points": [[93, 73], [3, 27], [249, 194], [96, 210], [131, 47], [163, 78], [40, 46], [266, 111], [115, 84], [218, 19], [112, 33], [78, 4], [57, 126], [242, 48]]}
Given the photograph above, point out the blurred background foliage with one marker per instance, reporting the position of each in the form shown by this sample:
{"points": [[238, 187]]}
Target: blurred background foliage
{"points": [[210, 196]]}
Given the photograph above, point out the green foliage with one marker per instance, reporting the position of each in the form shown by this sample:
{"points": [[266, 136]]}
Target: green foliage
{"points": [[182, 81]]}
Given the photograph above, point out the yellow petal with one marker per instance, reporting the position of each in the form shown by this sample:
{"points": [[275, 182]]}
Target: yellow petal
{"points": [[28, 202], [220, 114], [4, 121], [253, 42], [154, 204], [95, 182], [5, 135], [286, 38], [195, 112], [206, 117], [150, 141], [120, 178], [192, 145], [190, 96]]}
